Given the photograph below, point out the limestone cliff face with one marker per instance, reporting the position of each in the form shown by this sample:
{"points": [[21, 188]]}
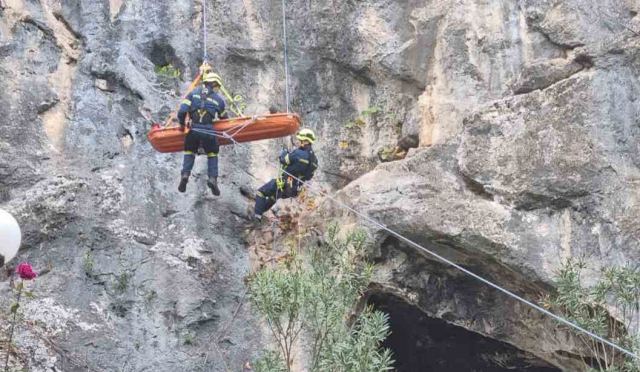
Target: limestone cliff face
{"points": [[526, 114]]}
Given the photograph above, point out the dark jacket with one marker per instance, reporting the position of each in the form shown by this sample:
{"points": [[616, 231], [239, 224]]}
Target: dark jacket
{"points": [[301, 163], [202, 105]]}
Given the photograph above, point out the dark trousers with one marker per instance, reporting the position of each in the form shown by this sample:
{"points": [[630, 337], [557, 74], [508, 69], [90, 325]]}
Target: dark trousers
{"points": [[269, 193], [209, 143]]}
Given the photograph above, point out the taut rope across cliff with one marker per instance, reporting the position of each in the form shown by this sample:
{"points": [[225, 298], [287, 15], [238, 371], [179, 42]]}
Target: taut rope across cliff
{"points": [[401, 237]]}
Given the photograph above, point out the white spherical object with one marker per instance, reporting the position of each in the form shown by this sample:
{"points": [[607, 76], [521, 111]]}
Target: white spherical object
{"points": [[10, 236]]}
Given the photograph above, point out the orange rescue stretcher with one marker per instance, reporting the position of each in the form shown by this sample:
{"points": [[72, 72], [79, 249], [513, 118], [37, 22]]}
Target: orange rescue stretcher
{"points": [[169, 138], [242, 129]]}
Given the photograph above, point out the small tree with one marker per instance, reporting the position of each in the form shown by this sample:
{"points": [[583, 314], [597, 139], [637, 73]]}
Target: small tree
{"points": [[359, 349], [269, 362], [319, 298], [617, 292], [277, 294]]}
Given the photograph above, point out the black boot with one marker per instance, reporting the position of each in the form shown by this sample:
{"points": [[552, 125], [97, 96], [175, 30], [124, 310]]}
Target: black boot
{"points": [[213, 185], [256, 219], [182, 187]]}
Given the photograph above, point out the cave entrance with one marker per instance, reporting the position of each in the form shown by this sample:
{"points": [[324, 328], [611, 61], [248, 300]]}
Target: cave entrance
{"points": [[425, 344]]}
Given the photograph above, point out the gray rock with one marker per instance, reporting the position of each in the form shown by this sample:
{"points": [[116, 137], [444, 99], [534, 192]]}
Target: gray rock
{"points": [[525, 114]]}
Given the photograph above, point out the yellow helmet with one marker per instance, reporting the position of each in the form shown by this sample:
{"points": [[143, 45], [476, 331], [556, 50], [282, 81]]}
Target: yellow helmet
{"points": [[205, 67], [211, 77], [306, 135]]}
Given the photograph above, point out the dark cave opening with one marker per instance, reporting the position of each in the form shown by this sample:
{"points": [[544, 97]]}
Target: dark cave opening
{"points": [[425, 344]]}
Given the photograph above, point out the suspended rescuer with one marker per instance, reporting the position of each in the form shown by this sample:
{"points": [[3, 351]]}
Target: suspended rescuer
{"points": [[204, 105], [301, 163]]}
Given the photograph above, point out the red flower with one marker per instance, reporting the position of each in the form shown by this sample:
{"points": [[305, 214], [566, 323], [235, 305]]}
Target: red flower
{"points": [[25, 271]]}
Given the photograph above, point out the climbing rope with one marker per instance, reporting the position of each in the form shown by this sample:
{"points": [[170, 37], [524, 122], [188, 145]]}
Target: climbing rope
{"points": [[205, 57], [468, 272], [230, 136], [456, 266], [286, 57]]}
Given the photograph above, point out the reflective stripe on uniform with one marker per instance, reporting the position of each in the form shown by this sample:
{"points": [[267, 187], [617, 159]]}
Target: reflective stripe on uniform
{"points": [[303, 161], [186, 102], [188, 152], [212, 154], [261, 195], [286, 159], [196, 96], [213, 101]]}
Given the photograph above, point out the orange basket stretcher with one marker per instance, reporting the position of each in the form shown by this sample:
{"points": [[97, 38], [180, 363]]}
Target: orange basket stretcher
{"points": [[242, 129]]}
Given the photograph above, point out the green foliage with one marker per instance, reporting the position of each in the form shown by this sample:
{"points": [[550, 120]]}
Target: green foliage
{"points": [[167, 71], [269, 362], [386, 153], [29, 294], [122, 282], [617, 292], [360, 121], [150, 296], [88, 263], [355, 123], [371, 111], [359, 350], [318, 298], [278, 294], [14, 309], [189, 338]]}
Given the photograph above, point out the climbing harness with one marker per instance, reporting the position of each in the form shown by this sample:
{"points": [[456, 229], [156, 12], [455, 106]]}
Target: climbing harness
{"points": [[233, 136], [460, 268], [169, 137]]}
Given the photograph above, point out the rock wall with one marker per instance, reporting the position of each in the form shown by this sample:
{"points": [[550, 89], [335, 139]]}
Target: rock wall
{"points": [[525, 111]]}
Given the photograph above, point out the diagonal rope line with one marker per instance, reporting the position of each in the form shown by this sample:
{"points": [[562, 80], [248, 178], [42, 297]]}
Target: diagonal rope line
{"points": [[386, 228], [468, 272], [458, 267]]}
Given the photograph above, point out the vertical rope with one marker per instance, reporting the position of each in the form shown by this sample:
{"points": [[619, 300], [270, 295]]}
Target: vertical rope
{"points": [[204, 31], [286, 58]]}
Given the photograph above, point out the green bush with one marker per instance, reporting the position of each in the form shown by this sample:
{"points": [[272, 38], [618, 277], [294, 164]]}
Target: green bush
{"points": [[371, 111], [617, 292], [278, 294], [167, 71], [88, 263], [269, 362], [317, 298]]}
